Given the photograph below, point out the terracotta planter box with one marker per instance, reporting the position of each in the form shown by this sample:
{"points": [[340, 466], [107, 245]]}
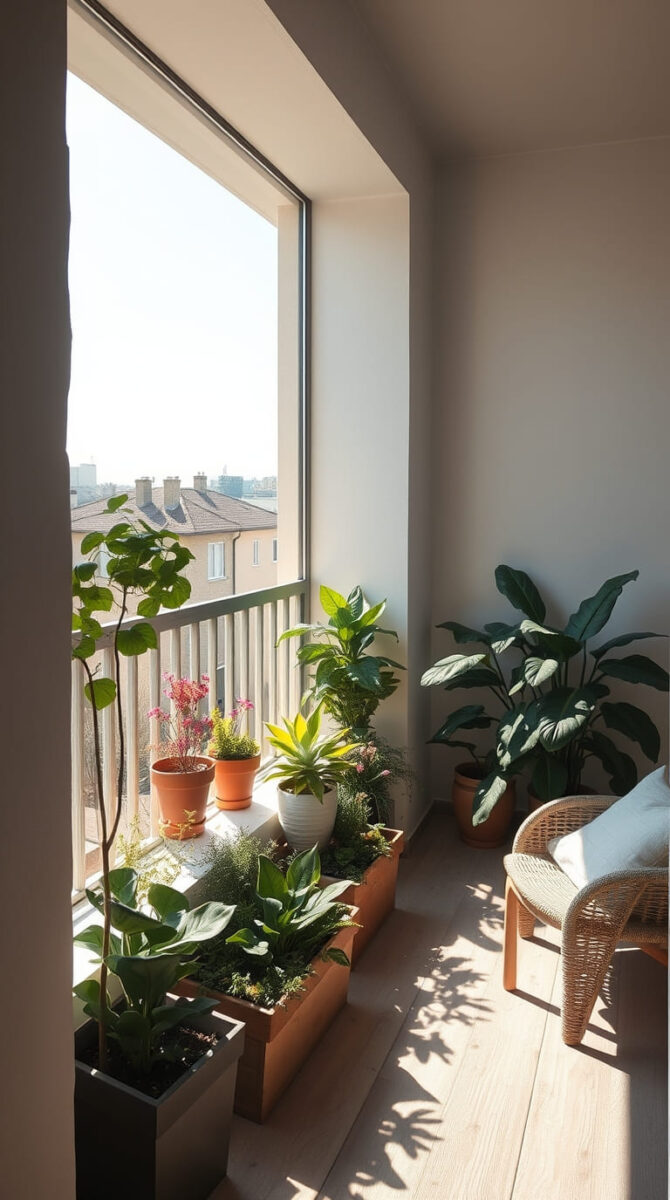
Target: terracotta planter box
{"points": [[133, 1146], [374, 896], [278, 1040]]}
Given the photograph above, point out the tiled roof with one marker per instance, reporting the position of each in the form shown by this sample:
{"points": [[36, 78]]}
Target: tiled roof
{"points": [[197, 512]]}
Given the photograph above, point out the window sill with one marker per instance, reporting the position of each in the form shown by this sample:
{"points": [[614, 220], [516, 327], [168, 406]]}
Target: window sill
{"points": [[260, 818]]}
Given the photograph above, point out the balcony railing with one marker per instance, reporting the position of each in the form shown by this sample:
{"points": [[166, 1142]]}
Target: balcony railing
{"points": [[234, 641]]}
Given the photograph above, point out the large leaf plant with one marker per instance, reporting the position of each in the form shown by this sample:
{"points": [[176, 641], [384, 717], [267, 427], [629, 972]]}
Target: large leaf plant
{"points": [[555, 698], [348, 680], [147, 952]]}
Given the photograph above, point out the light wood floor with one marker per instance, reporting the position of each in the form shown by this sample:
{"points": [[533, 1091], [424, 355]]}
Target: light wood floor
{"points": [[435, 1083]]}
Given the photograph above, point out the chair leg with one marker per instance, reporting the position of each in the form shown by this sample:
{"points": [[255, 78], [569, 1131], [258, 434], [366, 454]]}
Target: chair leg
{"points": [[584, 962], [526, 922], [509, 944]]}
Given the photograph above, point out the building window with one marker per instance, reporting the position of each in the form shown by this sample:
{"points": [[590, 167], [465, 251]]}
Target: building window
{"points": [[257, 553], [216, 560], [275, 554]]}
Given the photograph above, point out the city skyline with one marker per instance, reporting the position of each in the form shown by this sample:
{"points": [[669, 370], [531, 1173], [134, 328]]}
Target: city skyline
{"points": [[173, 287]]}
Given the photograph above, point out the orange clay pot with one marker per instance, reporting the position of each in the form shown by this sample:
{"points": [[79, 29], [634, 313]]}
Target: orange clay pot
{"points": [[182, 796], [234, 781], [495, 829]]}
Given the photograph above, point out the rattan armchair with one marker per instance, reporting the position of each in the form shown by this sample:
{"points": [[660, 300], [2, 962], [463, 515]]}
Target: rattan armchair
{"points": [[629, 906]]}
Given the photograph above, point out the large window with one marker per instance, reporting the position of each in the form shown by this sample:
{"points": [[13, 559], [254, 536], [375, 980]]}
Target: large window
{"points": [[187, 268]]}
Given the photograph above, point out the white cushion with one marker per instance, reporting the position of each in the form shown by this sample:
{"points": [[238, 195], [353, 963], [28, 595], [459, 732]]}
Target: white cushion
{"points": [[632, 833]]}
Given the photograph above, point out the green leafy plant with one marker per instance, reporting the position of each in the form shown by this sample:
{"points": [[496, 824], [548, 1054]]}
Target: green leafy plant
{"points": [[141, 562], [297, 916], [348, 681], [149, 952], [308, 761], [355, 843], [150, 868], [377, 766], [228, 740], [552, 698]]}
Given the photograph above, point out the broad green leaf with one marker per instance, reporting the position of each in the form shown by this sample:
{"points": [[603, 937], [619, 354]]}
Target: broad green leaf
{"points": [[595, 612], [85, 571], [355, 602], [487, 796], [299, 631], [470, 716], [97, 599], [167, 902], [145, 980], [101, 692], [331, 601], [538, 670], [270, 882], [85, 648], [366, 674], [561, 714], [116, 502], [550, 777], [137, 640], [618, 765], [130, 920], [91, 542], [370, 616], [148, 607], [202, 923], [475, 678], [518, 734], [464, 633], [634, 724], [623, 640], [451, 668], [558, 645], [336, 955], [521, 592], [123, 884], [304, 871], [636, 668]]}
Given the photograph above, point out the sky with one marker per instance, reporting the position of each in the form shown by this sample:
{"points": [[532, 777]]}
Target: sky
{"points": [[173, 286]]}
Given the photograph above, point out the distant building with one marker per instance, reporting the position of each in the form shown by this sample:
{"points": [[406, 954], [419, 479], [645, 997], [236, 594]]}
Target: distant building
{"points": [[230, 485], [83, 484], [234, 543]]}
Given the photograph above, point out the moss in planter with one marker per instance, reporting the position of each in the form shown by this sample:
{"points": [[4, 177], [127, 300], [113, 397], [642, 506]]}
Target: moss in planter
{"points": [[355, 844]]}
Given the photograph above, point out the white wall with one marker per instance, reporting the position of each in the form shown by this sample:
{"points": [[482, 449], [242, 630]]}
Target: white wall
{"points": [[552, 418], [36, 1132]]}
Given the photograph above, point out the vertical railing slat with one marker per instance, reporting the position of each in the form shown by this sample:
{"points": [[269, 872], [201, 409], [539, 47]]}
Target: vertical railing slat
{"points": [[283, 663], [213, 658], [175, 651], [229, 668], [272, 663], [243, 653], [259, 709], [78, 779], [154, 731], [295, 692], [194, 649]]}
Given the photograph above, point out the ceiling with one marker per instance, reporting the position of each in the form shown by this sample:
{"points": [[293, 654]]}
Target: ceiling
{"points": [[488, 77]]}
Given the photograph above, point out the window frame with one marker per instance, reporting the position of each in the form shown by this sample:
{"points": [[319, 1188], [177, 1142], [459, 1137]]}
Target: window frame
{"points": [[256, 553], [212, 547]]}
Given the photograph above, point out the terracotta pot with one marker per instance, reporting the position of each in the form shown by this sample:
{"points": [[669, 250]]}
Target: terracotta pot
{"points": [[495, 829], [234, 781], [182, 796], [278, 1040], [534, 801], [305, 820], [131, 1145], [374, 896]]}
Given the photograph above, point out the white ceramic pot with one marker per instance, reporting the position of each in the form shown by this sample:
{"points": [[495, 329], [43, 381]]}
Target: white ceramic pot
{"points": [[304, 820]]}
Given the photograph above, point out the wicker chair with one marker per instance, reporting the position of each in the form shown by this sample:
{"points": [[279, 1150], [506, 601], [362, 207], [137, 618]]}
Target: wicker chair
{"points": [[629, 906]]}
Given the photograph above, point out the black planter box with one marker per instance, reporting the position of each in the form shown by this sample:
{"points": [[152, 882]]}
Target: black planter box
{"points": [[133, 1147]]}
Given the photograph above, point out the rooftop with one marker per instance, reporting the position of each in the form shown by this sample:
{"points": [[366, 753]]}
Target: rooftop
{"points": [[196, 512]]}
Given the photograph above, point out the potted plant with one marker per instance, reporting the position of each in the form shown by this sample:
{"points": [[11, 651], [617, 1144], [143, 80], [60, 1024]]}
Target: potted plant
{"points": [[351, 682], [309, 766], [182, 775], [237, 757], [553, 695], [285, 973], [368, 855], [147, 1066]]}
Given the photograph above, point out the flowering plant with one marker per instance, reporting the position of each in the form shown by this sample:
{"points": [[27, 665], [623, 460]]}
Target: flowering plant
{"points": [[378, 765], [186, 730], [228, 740]]}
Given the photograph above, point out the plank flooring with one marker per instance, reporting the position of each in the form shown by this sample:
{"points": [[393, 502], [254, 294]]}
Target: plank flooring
{"points": [[434, 1082]]}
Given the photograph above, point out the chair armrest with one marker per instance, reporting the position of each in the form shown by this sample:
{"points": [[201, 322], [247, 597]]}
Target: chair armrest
{"points": [[556, 818], [612, 899]]}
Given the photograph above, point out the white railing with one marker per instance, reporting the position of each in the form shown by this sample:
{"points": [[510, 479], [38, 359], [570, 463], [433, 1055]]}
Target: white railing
{"points": [[233, 640]]}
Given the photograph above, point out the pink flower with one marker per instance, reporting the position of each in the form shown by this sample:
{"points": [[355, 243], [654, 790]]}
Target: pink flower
{"points": [[383, 773], [360, 767]]}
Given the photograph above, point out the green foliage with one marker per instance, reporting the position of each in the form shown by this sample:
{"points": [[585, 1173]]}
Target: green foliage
{"points": [[551, 696], [238, 876], [228, 741], [355, 843], [297, 916], [348, 681], [150, 951], [150, 869], [308, 762], [378, 766]]}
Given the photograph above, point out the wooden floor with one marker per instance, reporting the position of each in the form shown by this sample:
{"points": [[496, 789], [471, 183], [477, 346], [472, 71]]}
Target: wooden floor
{"points": [[435, 1083]]}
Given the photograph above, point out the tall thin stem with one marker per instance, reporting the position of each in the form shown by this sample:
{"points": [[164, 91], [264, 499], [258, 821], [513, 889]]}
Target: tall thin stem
{"points": [[104, 848]]}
